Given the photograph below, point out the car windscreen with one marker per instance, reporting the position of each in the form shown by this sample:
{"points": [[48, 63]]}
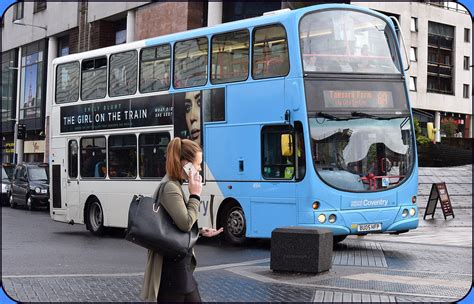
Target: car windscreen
{"points": [[38, 174]]}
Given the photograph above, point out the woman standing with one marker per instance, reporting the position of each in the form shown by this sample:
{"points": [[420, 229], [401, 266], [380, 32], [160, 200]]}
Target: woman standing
{"points": [[171, 280]]}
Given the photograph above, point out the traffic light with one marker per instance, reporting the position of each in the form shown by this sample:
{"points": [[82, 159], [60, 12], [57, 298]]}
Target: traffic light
{"points": [[21, 131]]}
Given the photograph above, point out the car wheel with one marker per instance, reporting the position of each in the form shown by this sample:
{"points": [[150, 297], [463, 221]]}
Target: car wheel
{"points": [[235, 225], [12, 202], [95, 218], [29, 203]]}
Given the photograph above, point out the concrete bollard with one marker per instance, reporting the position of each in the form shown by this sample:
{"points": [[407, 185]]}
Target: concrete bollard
{"points": [[301, 249]]}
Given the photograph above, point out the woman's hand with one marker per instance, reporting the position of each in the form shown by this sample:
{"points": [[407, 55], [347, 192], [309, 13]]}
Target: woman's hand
{"points": [[210, 232], [195, 185]]}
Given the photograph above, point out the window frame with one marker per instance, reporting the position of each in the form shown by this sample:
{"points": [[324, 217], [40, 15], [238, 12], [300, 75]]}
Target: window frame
{"points": [[56, 83], [277, 129], [415, 85], [467, 35], [40, 6], [253, 50], [124, 147], [465, 90], [139, 145], [249, 57], [466, 63], [80, 158], [109, 69], [414, 22], [18, 14], [174, 63], [69, 160], [170, 70], [106, 77], [415, 52]]}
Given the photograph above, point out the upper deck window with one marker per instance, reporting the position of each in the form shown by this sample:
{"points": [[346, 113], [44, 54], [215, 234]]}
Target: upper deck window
{"points": [[155, 68], [67, 82], [123, 74], [190, 63], [344, 41], [270, 52], [230, 57], [94, 78]]}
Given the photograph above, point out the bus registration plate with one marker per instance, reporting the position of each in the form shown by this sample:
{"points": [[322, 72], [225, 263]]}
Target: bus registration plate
{"points": [[369, 227]]}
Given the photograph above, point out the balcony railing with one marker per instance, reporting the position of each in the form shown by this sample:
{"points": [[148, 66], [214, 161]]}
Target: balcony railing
{"points": [[448, 5]]}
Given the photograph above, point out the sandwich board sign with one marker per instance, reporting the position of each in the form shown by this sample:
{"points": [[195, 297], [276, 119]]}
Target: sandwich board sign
{"points": [[439, 192]]}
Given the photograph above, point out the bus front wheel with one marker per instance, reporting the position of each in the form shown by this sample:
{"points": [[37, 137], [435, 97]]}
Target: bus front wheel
{"points": [[234, 225], [338, 238], [95, 218]]}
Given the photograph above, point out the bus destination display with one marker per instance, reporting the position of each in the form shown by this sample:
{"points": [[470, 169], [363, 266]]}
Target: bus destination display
{"points": [[357, 99]]}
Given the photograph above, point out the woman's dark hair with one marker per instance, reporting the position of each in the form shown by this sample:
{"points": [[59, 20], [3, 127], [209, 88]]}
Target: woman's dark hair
{"points": [[178, 150]]}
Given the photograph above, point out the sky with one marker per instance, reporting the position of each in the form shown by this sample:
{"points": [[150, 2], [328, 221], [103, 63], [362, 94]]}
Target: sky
{"points": [[4, 4]]}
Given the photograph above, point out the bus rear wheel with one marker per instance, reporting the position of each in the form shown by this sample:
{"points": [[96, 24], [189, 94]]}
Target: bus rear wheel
{"points": [[235, 225], [95, 218]]}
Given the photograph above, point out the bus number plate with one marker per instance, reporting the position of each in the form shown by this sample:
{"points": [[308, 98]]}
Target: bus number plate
{"points": [[369, 227]]}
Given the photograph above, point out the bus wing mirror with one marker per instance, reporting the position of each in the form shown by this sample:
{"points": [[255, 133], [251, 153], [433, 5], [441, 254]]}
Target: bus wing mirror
{"points": [[287, 145], [431, 131]]}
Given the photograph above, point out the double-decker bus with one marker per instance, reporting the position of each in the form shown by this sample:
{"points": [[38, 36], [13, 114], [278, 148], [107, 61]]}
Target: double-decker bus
{"points": [[303, 117]]}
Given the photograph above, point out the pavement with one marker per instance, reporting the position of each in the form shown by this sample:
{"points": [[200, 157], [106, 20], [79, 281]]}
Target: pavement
{"points": [[430, 264]]}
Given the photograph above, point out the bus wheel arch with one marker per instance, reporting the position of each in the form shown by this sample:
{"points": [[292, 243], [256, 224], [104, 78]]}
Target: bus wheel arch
{"points": [[94, 216], [231, 216]]}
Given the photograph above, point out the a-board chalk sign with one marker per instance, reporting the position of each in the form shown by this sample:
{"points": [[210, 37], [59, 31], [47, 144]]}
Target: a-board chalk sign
{"points": [[439, 192]]}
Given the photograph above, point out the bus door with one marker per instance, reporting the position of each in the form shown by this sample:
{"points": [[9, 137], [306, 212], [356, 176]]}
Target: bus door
{"points": [[71, 195]]}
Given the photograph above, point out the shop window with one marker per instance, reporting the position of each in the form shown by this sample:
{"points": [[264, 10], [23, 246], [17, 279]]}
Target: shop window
{"points": [[155, 68], [152, 148]]}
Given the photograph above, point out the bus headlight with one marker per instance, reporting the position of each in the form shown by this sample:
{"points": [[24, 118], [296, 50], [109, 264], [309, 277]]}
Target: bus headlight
{"points": [[332, 218], [404, 213], [321, 218], [412, 211], [37, 190]]}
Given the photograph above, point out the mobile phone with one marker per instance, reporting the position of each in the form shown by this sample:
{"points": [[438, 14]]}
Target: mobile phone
{"points": [[190, 170]]}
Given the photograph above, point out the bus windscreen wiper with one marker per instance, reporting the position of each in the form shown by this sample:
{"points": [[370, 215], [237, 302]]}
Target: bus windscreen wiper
{"points": [[328, 116], [362, 114]]}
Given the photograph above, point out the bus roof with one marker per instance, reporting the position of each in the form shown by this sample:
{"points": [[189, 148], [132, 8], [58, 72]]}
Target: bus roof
{"points": [[274, 17]]}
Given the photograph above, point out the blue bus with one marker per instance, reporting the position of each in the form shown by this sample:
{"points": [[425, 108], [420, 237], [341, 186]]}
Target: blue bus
{"points": [[303, 116]]}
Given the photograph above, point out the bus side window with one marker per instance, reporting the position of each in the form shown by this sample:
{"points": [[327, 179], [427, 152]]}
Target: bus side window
{"points": [[152, 148], [123, 74], [270, 52], [190, 63], [277, 163], [155, 68], [92, 155]]}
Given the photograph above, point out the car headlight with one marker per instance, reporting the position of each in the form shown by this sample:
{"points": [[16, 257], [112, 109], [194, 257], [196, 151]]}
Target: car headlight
{"points": [[43, 191], [37, 190]]}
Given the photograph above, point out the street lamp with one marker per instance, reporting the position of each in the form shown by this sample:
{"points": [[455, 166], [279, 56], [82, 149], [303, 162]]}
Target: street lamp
{"points": [[17, 22], [20, 128]]}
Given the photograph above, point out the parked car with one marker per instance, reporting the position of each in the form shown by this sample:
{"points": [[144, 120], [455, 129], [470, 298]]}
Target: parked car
{"points": [[30, 185], [7, 173]]}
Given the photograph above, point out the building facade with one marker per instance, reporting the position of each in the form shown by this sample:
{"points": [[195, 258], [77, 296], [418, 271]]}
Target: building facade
{"points": [[34, 33]]}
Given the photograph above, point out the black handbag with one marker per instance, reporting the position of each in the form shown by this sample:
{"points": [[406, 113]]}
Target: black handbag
{"points": [[150, 226]]}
